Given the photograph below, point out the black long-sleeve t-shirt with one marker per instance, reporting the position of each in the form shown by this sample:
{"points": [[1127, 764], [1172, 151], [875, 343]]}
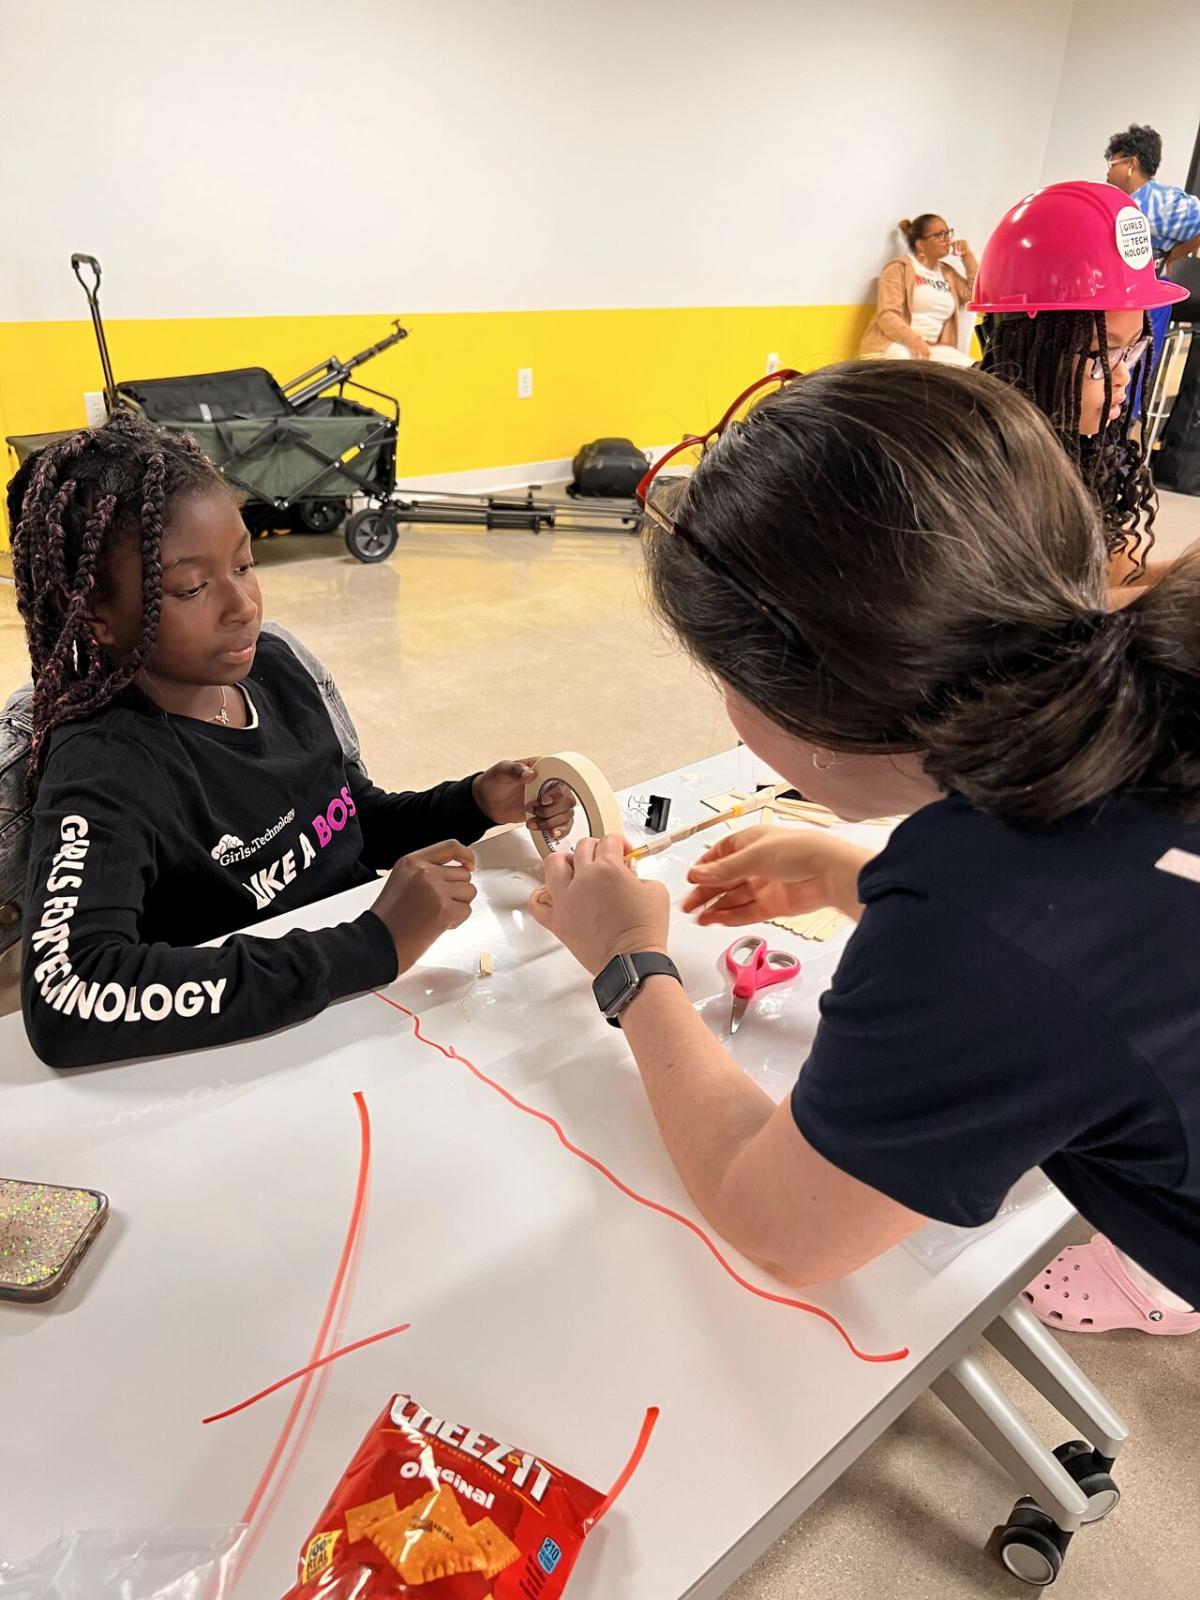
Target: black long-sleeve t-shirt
{"points": [[153, 833]]}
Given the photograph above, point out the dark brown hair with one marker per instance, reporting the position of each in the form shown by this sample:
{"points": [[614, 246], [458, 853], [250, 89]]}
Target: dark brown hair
{"points": [[68, 505], [940, 577], [1037, 355], [1141, 142], [913, 228]]}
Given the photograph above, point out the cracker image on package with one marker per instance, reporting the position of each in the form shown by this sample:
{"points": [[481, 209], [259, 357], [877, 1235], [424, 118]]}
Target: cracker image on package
{"points": [[429, 1507], [361, 1518]]}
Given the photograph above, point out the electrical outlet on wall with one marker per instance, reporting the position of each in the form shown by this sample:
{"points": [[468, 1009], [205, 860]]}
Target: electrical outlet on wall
{"points": [[94, 408], [773, 361], [524, 383]]}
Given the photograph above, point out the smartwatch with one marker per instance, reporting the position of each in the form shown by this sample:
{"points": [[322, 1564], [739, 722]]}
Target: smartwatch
{"points": [[621, 979]]}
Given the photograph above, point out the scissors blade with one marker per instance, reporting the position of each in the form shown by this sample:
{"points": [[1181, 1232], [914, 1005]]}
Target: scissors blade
{"points": [[737, 1012]]}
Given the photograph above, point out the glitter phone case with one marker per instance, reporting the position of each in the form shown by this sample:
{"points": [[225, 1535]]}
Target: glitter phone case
{"points": [[45, 1231]]}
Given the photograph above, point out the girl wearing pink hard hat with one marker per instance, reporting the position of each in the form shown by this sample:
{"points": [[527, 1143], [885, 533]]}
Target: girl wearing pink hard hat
{"points": [[1068, 276]]}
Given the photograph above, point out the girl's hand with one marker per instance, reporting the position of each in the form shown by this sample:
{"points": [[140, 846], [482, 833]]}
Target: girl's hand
{"points": [[500, 795], [424, 894], [597, 905], [762, 873], [921, 351]]}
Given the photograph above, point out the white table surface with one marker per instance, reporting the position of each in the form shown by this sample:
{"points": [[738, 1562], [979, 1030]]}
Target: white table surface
{"points": [[545, 1306]]}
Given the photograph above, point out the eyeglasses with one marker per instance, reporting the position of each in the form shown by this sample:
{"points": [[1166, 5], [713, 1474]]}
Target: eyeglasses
{"points": [[941, 235], [1129, 355], [694, 446]]}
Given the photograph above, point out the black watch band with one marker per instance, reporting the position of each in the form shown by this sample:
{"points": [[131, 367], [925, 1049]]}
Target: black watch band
{"points": [[621, 979]]}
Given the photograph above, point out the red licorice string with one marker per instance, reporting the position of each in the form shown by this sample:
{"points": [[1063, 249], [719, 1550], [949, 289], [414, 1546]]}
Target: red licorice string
{"points": [[341, 1281], [630, 1467], [316, 1396], [304, 1372], [641, 1199]]}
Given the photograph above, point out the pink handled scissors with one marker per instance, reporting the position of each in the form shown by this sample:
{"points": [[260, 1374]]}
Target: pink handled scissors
{"points": [[754, 967]]}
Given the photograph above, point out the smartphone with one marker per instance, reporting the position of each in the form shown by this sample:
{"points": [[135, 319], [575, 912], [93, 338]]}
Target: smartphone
{"points": [[45, 1232]]}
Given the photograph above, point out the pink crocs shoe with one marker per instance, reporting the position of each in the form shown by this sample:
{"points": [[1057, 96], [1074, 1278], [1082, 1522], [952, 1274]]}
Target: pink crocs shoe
{"points": [[1087, 1290]]}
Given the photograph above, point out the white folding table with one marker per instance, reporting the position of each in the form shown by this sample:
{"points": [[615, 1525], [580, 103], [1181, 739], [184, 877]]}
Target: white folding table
{"points": [[545, 1306]]}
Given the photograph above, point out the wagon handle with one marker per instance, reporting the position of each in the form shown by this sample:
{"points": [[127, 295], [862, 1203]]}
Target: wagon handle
{"points": [[78, 262]]}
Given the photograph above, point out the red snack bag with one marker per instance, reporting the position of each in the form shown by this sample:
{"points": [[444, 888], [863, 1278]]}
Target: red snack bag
{"points": [[431, 1508]]}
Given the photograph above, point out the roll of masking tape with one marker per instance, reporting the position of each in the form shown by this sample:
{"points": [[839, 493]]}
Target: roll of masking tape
{"points": [[589, 786]]}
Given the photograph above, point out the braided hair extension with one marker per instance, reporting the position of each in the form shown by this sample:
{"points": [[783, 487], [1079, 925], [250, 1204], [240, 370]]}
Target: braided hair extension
{"points": [[1037, 355], [69, 504]]}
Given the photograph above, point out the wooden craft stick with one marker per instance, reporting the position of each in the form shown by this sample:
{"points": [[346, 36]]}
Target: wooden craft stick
{"points": [[817, 816], [727, 798], [755, 803], [814, 925]]}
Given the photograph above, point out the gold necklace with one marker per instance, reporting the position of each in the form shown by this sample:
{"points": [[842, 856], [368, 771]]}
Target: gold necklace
{"points": [[222, 716]]}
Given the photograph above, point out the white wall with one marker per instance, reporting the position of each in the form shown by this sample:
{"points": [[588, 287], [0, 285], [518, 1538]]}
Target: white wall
{"points": [[1124, 65], [239, 157]]}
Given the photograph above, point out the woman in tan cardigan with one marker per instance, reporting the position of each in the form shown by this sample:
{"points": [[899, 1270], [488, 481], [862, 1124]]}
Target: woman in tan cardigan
{"points": [[916, 316]]}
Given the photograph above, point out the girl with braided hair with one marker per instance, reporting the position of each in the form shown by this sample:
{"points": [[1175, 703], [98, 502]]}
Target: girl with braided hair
{"points": [[1068, 279], [188, 777]]}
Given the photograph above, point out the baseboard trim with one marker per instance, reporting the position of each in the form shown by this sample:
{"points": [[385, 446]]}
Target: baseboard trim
{"points": [[494, 480], [487, 480]]}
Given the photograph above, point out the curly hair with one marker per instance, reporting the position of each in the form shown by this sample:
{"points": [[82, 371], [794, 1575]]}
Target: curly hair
{"points": [[1139, 141], [1037, 355], [69, 504]]}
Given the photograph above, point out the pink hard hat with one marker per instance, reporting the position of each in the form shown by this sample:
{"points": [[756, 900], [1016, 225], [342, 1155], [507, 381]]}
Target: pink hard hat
{"points": [[1072, 247]]}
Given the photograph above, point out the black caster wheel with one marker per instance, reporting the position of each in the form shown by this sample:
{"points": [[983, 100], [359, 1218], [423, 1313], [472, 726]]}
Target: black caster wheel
{"points": [[1089, 1471], [321, 516], [371, 535], [1031, 1545]]}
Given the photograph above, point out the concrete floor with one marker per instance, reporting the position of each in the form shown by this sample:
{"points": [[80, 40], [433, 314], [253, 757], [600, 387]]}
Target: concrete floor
{"points": [[469, 646]]}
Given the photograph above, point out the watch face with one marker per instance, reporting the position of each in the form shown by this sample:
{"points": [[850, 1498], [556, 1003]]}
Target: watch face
{"points": [[615, 984]]}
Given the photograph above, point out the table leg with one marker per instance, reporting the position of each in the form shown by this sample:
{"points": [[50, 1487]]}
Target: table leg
{"points": [[983, 1408], [1032, 1349]]}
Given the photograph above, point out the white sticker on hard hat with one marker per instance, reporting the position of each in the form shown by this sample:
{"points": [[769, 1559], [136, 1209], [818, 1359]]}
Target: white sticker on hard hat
{"points": [[1133, 237]]}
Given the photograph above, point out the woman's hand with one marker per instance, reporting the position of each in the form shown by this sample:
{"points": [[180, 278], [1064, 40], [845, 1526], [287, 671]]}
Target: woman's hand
{"points": [[762, 873], [597, 905], [424, 894], [921, 351], [961, 247], [500, 795]]}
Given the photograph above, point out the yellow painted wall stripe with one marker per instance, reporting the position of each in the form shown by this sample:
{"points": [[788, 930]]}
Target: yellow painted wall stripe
{"points": [[649, 374]]}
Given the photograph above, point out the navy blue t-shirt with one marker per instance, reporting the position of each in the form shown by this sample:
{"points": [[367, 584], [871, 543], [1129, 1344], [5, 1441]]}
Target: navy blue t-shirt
{"points": [[1018, 998]]}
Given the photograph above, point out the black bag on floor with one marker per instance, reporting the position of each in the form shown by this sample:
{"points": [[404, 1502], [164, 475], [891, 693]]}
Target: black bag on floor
{"points": [[1177, 463], [609, 468]]}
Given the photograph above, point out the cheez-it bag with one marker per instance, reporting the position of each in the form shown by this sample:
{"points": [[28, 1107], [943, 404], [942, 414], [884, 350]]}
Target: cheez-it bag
{"points": [[431, 1508]]}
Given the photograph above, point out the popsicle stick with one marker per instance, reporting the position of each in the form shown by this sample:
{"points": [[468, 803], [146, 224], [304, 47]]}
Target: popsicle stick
{"points": [[723, 801], [817, 926], [755, 803]]}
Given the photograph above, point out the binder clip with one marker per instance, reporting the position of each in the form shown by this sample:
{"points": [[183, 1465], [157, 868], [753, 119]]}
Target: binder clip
{"points": [[654, 809]]}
